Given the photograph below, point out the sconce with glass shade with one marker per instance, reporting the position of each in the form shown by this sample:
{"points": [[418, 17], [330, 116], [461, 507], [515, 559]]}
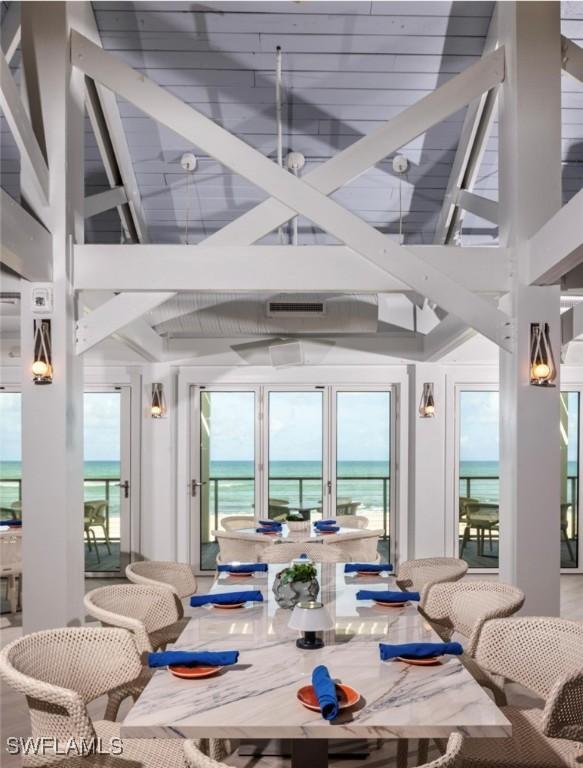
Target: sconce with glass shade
{"points": [[309, 618], [158, 407], [42, 367], [542, 363], [427, 404]]}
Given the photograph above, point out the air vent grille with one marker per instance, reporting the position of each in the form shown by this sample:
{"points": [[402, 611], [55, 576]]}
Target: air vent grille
{"points": [[308, 308]]}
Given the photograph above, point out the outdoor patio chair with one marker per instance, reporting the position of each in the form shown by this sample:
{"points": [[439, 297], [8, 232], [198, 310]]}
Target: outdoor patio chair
{"points": [[11, 566], [484, 518]]}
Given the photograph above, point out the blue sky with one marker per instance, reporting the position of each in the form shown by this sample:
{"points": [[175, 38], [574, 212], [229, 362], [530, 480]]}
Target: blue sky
{"points": [[295, 426], [102, 426]]}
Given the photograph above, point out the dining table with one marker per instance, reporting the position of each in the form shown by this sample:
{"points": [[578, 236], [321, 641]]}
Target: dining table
{"points": [[308, 534], [256, 698]]}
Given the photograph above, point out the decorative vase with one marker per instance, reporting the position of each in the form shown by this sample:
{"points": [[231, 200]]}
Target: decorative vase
{"points": [[289, 594]]}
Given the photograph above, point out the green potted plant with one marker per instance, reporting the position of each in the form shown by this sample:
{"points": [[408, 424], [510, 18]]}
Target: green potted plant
{"points": [[295, 584]]}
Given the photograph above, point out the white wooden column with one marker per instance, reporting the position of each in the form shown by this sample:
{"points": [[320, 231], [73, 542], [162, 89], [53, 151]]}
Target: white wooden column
{"points": [[530, 193], [158, 498], [52, 415], [427, 514]]}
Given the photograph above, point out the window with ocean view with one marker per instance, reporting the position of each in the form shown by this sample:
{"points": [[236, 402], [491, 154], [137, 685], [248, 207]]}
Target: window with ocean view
{"points": [[10, 456], [295, 480], [363, 458], [227, 464], [102, 477], [479, 476]]}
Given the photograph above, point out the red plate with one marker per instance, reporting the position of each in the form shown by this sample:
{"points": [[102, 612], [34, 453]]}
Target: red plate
{"points": [[191, 673], [328, 533], [430, 661], [347, 697], [239, 575], [270, 533], [368, 573], [228, 606], [390, 605]]}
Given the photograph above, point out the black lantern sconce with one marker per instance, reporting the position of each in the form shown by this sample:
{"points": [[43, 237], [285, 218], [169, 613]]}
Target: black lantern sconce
{"points": [[542, 363], [42, 366], [427, 404], [158, 407]]}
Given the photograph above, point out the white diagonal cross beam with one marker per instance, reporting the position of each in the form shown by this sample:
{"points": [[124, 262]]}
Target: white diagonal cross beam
{"points": [[295, 194], [22, 132]]}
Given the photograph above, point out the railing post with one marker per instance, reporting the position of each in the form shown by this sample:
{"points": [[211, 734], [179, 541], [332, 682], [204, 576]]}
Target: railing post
{"points": [[216, 483]]}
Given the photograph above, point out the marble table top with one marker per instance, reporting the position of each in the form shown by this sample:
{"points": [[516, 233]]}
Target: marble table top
{"points": [[256, 698], [310, 534]]}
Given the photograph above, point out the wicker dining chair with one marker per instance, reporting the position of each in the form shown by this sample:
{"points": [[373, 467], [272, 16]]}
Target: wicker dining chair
{"points": [[176, 576], [463, 608], [151, 613], [545, 655], [352, 521], [420, 575], [196, 758], [60, 671], [234, 547], [237, 522], [356, 546], [285, 553]]}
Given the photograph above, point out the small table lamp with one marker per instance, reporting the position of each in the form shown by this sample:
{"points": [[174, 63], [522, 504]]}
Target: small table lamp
{"points": [[310, 618]]}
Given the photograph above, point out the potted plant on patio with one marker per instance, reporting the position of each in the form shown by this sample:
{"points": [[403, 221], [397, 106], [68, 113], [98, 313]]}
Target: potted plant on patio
{"points": [[295, 584]]}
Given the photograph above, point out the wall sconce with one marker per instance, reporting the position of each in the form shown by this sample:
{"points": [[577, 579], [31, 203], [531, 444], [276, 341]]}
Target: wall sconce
{"points": [[542, 364], [158, 407], [42, 367], [427, 404]]}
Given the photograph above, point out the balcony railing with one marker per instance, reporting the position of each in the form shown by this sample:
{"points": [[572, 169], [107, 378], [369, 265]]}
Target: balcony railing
{"points": [[228, 497]]}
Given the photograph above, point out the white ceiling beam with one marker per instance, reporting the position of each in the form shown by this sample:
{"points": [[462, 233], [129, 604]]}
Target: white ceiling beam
{"points": [[558, 246], [478, 205], [10, 31], [572, 324], [295, 194], [468, 156], [104, 201], [356, 159], [572, 58], [22, 132], [445, 337], [120, 319], [103, 112], [272, 268], [25, 245]]}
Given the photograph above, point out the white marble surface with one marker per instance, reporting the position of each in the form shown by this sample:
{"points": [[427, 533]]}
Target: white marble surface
{"points": [[256, 698], [311, 534]]}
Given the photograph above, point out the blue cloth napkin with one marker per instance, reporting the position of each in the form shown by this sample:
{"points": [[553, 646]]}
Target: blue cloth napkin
{"points": [[226, 598], [325, 690], [268, 529], [329, 521], [328, 529], [368, 567], [385, 596], [419, 650], [193, 658], [242, 568], [270, 523], [11, 522]]}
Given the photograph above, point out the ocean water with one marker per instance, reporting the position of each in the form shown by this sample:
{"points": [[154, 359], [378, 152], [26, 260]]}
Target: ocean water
{"points": [[231, 486]]}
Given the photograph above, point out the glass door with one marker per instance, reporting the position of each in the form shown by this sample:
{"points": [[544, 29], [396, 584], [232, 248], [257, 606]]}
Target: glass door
{"points": [[362, 458], [223, 466], [107, 491], [10, 456], [296, 478]]}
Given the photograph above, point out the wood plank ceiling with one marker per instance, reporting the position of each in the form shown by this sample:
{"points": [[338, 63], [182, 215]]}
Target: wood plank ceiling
{"points": [[348, 66]]}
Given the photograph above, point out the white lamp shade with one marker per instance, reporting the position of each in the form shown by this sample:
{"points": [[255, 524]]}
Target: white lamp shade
{"points": [[310, 617]]}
